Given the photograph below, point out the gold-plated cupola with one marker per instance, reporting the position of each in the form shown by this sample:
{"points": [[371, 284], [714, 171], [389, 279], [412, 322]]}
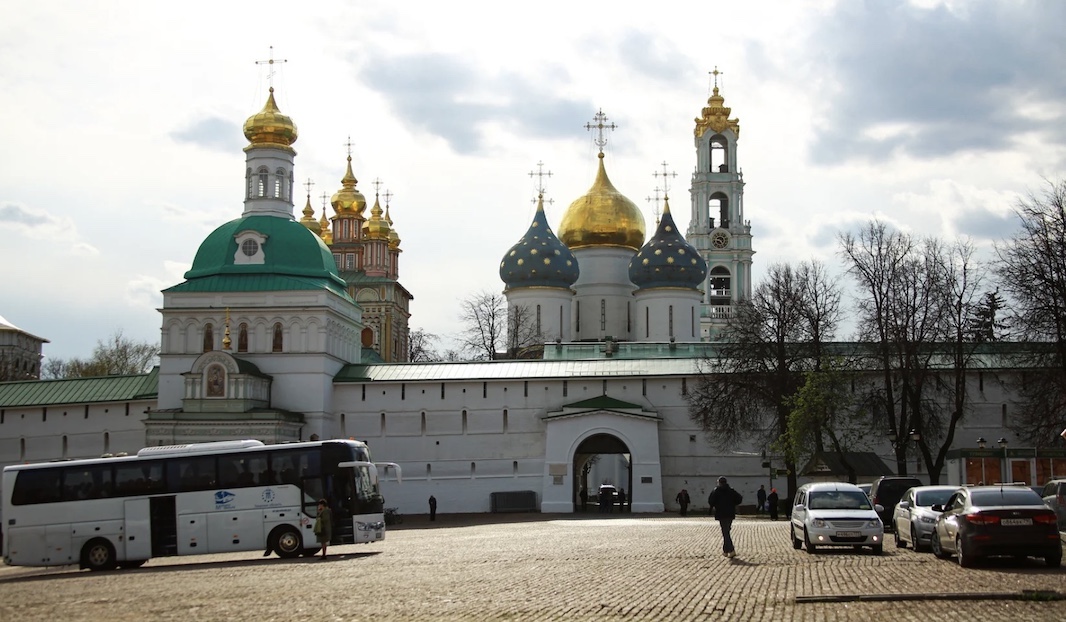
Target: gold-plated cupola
{"points": [[270, 128], [715, 116], [348, 199], [603, 217]]}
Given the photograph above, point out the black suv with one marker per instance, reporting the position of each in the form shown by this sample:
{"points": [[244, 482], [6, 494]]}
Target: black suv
{"points": [[887, 491]]}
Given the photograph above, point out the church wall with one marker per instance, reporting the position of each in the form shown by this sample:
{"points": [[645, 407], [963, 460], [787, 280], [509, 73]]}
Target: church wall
{"points": [[38, 434]]}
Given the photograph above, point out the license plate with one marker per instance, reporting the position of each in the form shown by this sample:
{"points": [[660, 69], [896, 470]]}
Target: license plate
{"points": [[849, 534], [1016, 522]]}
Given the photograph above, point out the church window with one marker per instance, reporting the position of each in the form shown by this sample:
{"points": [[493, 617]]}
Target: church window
{"points": [[280, 188], [349, 263], [525, 389], [262, 188], [539, 331], [464, 422], [564, 388], [249, 247], [423, 423], [1003, 415], [242, 338], [719, 283], [107, 442], [337, 259], [215, 381], [277, 344], [65, 446], [249, 183], [644, 387], [684, 386], [719, 155], [473, 468], [647, 322], [692, 322], [209, 338], [403, 391], [577, 315], [603, 314], [22, 449], [514, 468], [719, 203], [505, 421], [671, 314], [484, 390], [429, 471]]}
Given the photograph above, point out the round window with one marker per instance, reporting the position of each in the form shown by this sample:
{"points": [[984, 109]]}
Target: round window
{"points": [[250, 248]]}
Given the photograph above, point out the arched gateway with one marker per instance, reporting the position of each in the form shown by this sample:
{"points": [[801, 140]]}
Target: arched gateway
{"points": [[607, 427]]}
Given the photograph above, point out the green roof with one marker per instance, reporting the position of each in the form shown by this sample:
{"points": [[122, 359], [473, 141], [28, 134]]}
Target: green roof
{"points": [[257, 283], [80, 390]]}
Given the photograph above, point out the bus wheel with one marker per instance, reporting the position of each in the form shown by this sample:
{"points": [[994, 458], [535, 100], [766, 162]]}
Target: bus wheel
{"points": [[98, 555], [287, 542], [132, 563]]}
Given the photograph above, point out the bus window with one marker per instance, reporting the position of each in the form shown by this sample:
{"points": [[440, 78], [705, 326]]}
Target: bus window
{"points": [[238, 470], [139, 478], [192, 473], [36, 486], [87, 482]]}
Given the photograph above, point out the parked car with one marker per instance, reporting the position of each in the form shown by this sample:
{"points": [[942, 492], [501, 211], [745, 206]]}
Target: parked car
{"points": [[865, 488], [1054, 495], [887, 491], [996, 520], [913, 517], [835, 514]]}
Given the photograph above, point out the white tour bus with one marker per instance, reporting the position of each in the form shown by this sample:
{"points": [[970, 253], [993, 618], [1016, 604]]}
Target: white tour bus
{"points": [[189, 500]]}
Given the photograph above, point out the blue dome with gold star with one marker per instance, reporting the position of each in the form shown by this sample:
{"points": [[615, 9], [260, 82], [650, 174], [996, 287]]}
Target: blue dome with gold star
{"points": [[667, 260], [539, 259]]}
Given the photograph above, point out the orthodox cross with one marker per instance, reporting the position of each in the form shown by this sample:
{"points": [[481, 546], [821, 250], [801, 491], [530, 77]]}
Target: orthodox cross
{"points": [[666, 179], [388, 195], [715, 74], [309, 184], [325, 202], [600, 139], [655, 201], [270, 66], [540, 175], [377, 183], [349, 145]]}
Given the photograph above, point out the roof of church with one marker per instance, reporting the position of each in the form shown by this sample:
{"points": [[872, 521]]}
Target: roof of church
{"points": [[524, 369], [79, 390], [5, 325], [539, 258], [292, 256], [667, 260]]}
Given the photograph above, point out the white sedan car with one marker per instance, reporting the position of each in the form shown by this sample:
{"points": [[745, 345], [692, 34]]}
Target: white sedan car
{"points": [[914, 518]]}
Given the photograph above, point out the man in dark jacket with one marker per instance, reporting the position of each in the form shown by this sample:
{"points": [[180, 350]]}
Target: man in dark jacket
{"points": [[723, 502]]}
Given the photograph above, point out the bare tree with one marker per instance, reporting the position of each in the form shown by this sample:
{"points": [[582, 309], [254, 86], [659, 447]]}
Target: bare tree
{"points": [[118, 356], [422, 350], [524, 339], [484, 318], [744, 392], [1031, 268]]}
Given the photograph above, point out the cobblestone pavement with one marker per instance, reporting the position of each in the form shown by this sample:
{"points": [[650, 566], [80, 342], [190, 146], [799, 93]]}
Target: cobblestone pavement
{"points": [[542, 568]]}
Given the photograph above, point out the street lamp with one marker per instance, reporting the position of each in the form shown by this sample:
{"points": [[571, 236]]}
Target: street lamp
{"points": [[981, 442], [913, 435], [1006, 469]]}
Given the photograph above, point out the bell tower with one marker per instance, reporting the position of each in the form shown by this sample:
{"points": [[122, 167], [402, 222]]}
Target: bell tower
{"points": [[717, 228]]}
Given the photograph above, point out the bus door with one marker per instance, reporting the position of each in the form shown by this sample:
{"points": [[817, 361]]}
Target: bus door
{"points": [[138, 529], [164, 526]]}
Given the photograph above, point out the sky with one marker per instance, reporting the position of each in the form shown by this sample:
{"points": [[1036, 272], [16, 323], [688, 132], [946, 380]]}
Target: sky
{"points": [[122, 143]]}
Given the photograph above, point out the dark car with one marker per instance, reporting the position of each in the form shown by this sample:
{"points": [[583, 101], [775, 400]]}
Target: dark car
{"points": [[887, 491], [996, 520]]}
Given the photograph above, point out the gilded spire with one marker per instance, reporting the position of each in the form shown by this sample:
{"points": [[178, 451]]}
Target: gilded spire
{"points": [[270, 128], [376, 228], [309, 220], [323, 224], [715, 115], [348, 199], [394, 236], [226, 341]]}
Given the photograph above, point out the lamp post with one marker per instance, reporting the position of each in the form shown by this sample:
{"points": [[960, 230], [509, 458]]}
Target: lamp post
{"points": [[914, 436], [1006, 468]]}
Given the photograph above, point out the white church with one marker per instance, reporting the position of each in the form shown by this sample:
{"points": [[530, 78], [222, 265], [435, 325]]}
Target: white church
{"points": [[270, 336]]}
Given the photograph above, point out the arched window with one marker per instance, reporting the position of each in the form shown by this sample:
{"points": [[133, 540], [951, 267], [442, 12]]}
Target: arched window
{"points": [[261, 189], [277, 343], [539, 331], [671, 324], [719, 154], [719, 282], [280, 188], [209, 337], [242, 338], [719, 204]]}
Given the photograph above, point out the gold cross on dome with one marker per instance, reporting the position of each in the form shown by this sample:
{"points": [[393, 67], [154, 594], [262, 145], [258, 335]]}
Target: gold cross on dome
{"points": [[388, 195], [309, 184], [270, 66], [325, 201], [377, 183], [600, 140], [540, 175], [716, 73], [349, 145], [666, 178], [655, 201]]}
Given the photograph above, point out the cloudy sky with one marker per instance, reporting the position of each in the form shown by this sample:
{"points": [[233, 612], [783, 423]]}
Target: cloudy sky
{"points": [[121, 128]]}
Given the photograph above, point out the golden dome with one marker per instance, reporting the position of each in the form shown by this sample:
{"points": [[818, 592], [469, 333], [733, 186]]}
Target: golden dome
{"points": [[716, 117], [376, 228], [348, 199], [394, 237], [270, 128], [603, 217], [326, 233], [309, 218]]}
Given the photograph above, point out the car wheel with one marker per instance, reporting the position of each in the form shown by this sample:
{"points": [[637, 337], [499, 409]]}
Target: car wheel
{"points": [[812, 549], [878, 549], [966, 560], [900, 544], [1053, 561], [287, 542], [98, 554], [915, 542], [796, 542], [937, 549]]}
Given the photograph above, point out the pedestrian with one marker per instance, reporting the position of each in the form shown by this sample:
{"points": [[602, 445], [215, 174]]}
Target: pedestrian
{"points": [[771, 502], [724, 501], [683, 500], [760, 498], [584, 496], [622, 500], [323, 525], [432, 508]]}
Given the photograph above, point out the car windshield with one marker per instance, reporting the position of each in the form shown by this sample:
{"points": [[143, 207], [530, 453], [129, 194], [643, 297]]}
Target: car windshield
{"points": [[1005, 496], [926, 498], [838, 500]]}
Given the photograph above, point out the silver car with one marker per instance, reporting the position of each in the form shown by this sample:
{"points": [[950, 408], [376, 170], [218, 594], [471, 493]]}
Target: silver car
{"points": [[913, 518], [835, 514]]}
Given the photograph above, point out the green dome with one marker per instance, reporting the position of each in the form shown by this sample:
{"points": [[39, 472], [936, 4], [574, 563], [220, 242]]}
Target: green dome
{"points": [[288, 253]]}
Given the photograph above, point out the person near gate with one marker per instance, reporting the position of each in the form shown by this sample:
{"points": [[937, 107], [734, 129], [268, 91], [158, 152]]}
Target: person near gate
{"points": [[724, 501]]}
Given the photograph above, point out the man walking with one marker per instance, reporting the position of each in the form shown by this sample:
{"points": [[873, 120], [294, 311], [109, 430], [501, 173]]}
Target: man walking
{"points": [[760, 498], [724, 501]]}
